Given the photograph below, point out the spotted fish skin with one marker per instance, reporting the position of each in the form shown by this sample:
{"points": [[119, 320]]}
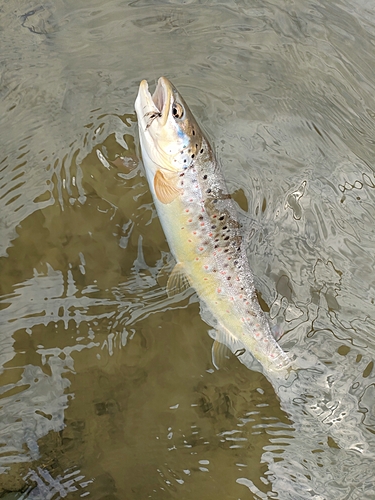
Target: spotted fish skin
{"points": [[200, 222]]}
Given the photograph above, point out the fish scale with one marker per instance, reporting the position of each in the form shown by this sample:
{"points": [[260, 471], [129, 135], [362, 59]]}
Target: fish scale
{"points": [[199, 219], [219, 251]]}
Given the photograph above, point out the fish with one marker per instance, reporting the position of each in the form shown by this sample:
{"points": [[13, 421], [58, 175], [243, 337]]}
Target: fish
{"points": [[200, 222]]}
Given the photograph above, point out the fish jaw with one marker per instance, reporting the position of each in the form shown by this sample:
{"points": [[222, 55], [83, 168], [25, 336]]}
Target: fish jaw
{"points": [[146, 105], [169, 134]]}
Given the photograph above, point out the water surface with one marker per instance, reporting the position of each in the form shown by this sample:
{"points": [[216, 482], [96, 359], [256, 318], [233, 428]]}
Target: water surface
{"points": [[107, 386]]}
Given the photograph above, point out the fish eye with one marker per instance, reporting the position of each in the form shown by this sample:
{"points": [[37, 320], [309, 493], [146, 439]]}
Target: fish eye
{"points": [[177, 110]]}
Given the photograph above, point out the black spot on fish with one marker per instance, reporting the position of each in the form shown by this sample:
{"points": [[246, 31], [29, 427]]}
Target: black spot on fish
{"points": [[224, 227], [185, 160], [213, 227], [208, 191], [193, 132], [226, 238], [214, 201], [183, 173], [222, 217], [201, 151], [205, 177], [229, 277], [200, 217]]}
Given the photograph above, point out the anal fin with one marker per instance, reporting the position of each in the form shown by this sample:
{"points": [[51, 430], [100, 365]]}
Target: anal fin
{"points": [[220, 353]]}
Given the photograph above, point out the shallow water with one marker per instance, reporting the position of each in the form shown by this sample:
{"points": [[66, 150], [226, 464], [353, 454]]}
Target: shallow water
{"points": [[107, 386]]}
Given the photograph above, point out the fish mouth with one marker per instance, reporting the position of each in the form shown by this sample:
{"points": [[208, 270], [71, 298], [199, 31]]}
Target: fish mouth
{"points": [[157, 105]]}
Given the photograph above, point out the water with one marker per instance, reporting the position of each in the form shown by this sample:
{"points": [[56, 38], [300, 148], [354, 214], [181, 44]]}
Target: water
{"points": [[107, 386]]}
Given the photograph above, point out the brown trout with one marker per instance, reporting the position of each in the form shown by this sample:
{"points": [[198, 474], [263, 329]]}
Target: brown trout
{"points": [[200, 223]]}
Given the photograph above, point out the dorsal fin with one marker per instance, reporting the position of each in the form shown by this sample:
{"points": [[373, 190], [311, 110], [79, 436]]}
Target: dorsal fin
{"points": [[166, 189]]}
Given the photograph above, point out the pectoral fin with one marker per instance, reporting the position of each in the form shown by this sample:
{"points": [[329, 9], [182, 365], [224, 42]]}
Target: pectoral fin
{"points": [[165, 187], [177, 281]]}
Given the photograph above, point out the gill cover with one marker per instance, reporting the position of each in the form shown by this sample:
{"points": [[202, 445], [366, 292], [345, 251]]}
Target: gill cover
{"points": [[169, 135]]}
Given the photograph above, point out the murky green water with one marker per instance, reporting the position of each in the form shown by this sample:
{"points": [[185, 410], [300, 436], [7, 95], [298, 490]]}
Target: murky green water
{"points": [[107, 386]]}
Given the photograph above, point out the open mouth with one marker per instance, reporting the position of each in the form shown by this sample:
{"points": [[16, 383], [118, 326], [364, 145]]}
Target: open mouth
{"points": [[159, 96], [156, 106]]}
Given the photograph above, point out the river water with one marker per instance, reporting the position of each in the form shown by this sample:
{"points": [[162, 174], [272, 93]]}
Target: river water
{"points": [[107, 386]]}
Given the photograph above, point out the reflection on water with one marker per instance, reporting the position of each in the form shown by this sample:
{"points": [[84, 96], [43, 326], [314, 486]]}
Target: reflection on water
{"points": [[107, 385]]}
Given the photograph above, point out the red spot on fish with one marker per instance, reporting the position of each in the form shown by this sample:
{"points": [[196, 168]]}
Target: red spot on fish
{"points": [[202, 223], [241, 296], [257, 334], [209, 234], [219, 290], [191, 199], [201, 249], [196, 258], [194, 232], [187, 210], [190, 220], [206, 267], [223, 272], [189, 241]]}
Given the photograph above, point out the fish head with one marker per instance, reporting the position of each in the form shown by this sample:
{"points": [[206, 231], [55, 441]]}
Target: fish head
{"points": [[169, 135]]}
